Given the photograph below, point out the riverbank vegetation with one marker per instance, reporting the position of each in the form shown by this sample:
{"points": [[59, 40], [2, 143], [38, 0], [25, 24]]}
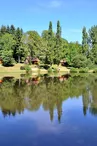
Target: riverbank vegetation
{"points": [[49, 47]]}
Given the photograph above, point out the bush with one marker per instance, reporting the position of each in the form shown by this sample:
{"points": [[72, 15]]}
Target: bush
{"points": [[28, 69], [81, 61], [55, 70], [89, 63], [74, 70], [83, 70], [50, 70], [22, 68], [8, 61]]}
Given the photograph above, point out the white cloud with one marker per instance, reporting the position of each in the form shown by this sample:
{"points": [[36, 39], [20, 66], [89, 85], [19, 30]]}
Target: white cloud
{"points": [[41, 6], [51, 4], [55, 4]]}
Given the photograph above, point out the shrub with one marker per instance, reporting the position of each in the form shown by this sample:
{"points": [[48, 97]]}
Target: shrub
{"points": [[22, 68], [28, 69], [83, 70], [55, 70], [81, 61], [50, 70], [74, 70]]}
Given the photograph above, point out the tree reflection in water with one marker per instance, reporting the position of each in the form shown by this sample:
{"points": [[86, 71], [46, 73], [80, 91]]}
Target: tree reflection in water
{"points": [[49, 92]]}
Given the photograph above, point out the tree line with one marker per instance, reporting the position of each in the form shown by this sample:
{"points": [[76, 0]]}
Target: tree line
{"points": [[49, 47]]}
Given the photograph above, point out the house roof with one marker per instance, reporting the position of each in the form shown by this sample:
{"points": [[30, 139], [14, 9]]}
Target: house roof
{"points": [[35, 60]]}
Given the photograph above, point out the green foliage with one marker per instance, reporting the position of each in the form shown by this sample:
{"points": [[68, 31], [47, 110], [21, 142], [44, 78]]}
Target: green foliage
{"points": [[22, 68], [18, 47], [73, 49], [58, 47], [45, 35], [7, 58], [34, 44], [3, 29], [85, 46], [50, 70], [83, 70], [50, 47], [7, 43], [28, 69], [93, 44], [55, 70], [58, 33], [74, 70], [11, 29], [80, 61], [50, 31]]}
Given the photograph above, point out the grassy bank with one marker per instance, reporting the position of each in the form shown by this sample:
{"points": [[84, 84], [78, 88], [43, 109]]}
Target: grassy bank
{"points": [[52, 69], [83, 70], [13, 69], [16, 69]]}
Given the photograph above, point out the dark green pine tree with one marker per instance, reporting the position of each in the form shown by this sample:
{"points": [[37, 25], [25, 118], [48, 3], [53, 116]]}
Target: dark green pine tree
{"points": [[50, 31], [49, 51], [8, 29], [18, 51], [85, 47], [3, 30], [58, 44], [58, 34], [12, 29], [21, 31], [93, 43]]}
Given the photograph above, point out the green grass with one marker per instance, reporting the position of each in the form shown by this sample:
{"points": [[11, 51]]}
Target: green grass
{"points": [[61, 69], [83, 70], [74, 70]]}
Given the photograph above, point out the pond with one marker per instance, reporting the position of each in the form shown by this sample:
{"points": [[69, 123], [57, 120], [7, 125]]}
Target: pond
{"points": [[48, 111]]}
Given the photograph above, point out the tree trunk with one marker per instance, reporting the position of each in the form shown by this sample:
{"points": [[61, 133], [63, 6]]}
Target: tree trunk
{"points": [[18, 58]]}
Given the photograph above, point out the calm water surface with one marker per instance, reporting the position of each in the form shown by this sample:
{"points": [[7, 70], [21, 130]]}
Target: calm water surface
{"points": [[48, 111]]}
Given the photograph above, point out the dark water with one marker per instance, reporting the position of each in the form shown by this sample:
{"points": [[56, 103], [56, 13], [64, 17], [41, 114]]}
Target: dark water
{"points": [[48, 111]]}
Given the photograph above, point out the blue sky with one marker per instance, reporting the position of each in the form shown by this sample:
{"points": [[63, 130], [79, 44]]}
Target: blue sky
{"points": [[36, 14]]}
